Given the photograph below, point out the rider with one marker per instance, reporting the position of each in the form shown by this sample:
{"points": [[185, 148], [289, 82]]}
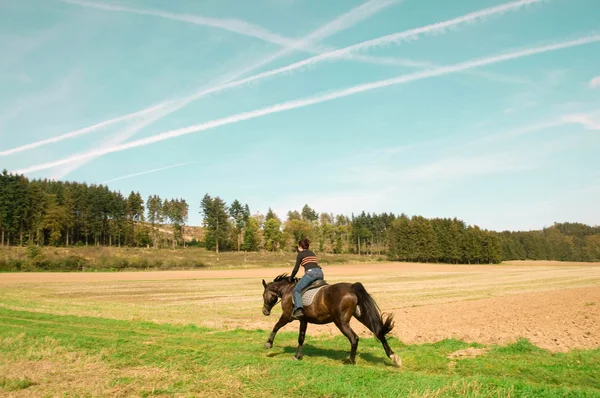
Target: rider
{"points": [[312, 272]]}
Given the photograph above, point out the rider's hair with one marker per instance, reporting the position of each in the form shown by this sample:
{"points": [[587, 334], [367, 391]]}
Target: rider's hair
{"points": [[304, 243]]}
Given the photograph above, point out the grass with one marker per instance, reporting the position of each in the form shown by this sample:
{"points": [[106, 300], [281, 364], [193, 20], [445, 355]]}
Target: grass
{"points": [[15, 259], [15, 384], [46, 354]]}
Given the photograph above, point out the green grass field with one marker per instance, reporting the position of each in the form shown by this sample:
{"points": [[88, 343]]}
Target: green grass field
{"points": [[54, 355]]}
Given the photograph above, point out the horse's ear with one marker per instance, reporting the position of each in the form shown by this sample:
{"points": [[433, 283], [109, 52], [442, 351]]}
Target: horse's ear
{"points": [[264, 283]]}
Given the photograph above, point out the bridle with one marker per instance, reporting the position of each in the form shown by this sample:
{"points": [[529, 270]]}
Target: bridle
{"points": [[269, 308]]}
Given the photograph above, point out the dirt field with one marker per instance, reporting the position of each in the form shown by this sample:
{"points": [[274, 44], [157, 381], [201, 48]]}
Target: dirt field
{"points": [[555, 305]]}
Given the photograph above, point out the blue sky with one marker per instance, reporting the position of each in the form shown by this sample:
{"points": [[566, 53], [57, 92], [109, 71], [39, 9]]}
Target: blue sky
{"points": [[484, 110]]}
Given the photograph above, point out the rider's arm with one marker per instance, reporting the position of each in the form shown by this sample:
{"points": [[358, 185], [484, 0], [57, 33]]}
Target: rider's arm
{"points": [[297, 266]]}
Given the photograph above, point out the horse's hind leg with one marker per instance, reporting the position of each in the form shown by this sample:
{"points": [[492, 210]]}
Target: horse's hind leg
{"points": [[352, 337], [388, 351], [301, 335]]}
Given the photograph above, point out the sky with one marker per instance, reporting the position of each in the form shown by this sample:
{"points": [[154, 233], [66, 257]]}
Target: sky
{"points": [[488, 111]]}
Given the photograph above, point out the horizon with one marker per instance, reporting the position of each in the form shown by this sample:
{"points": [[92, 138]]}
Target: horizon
{"points": [[492, 116]]}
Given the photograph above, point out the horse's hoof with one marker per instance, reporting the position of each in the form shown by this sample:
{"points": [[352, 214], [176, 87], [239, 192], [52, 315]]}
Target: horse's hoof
{"points": [[396, 360], [349, 362], [296, 358], [268, 345]]}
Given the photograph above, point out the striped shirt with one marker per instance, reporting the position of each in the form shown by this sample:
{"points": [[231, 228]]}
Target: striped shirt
{"points": [[306, 259]]}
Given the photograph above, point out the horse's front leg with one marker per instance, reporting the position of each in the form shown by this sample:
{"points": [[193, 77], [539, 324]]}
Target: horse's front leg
{"points": [[284, 320], [301, 335]]}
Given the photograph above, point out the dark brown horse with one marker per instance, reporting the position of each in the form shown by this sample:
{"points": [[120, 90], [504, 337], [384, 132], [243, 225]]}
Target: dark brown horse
{"points": [[336, 303]]}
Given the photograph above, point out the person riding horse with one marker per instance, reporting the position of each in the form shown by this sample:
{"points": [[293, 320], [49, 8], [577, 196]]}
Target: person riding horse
{"points": [[312, 272]]}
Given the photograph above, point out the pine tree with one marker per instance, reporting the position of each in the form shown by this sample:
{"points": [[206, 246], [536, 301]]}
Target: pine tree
{"points": [[135, 215], [309, 214], [184, 217], [54, 220], [70, 214], [401, 240], [237, 212], [20, 203], [270, 215], [425, 239], [37, 205], [216, 222], [154, 209], [3, 205]]}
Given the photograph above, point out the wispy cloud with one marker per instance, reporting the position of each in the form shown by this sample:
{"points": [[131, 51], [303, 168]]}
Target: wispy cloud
{"points": [[79, 132], [590, 121], [58, 91], [595, 82], [13, 48], [371, 167], [322, 98], [388, 182], [147, 172], [518, 132], [386, 187], [459, 167]]}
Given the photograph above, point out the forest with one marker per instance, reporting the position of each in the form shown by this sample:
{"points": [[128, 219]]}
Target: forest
{"points": [[56, 213]]}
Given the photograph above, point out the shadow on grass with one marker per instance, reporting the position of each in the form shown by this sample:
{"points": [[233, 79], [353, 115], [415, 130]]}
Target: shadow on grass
{"points": [[339, 355]]}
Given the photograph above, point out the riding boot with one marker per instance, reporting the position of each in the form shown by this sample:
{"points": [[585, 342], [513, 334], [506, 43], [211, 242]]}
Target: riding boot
{"points": [[298, 313]]}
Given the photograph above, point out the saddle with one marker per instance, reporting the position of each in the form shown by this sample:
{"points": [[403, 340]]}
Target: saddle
{"points": [[309, 292], [314, 285]]}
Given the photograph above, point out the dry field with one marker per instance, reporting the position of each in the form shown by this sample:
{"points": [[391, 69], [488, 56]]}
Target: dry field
{"points": [[555, 305]]}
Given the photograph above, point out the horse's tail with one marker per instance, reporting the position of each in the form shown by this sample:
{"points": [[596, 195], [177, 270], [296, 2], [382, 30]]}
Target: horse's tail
{"points": [[369, 315]]}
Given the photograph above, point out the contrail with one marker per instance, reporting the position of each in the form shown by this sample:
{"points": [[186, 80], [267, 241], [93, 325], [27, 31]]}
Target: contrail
{"points": [[389, 39], [285, 106], [251, 30], [344, 21], [147, 172], [395, 38], [82, 131], [115, 140], [231, 25]]}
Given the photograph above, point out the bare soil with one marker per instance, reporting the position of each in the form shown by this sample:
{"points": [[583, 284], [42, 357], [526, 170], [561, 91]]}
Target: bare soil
{"points": [[557, 320], [555, 305]]}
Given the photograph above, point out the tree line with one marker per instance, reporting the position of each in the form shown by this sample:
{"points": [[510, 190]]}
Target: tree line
{"points": [[562, 242], [44, 212], [56, 213]]}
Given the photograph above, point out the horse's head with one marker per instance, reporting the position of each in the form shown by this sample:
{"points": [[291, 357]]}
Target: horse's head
{"points": [[270, 298], [273, 292]]}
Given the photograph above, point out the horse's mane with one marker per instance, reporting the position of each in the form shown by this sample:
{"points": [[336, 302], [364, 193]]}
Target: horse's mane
{"points": [[282, 277]]}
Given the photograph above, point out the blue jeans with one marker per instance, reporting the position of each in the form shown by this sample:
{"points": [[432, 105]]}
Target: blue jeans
{"points": [[309, 277]]}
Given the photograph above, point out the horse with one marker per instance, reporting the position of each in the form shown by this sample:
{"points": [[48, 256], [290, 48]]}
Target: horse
{"points": [[336, 303]]}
